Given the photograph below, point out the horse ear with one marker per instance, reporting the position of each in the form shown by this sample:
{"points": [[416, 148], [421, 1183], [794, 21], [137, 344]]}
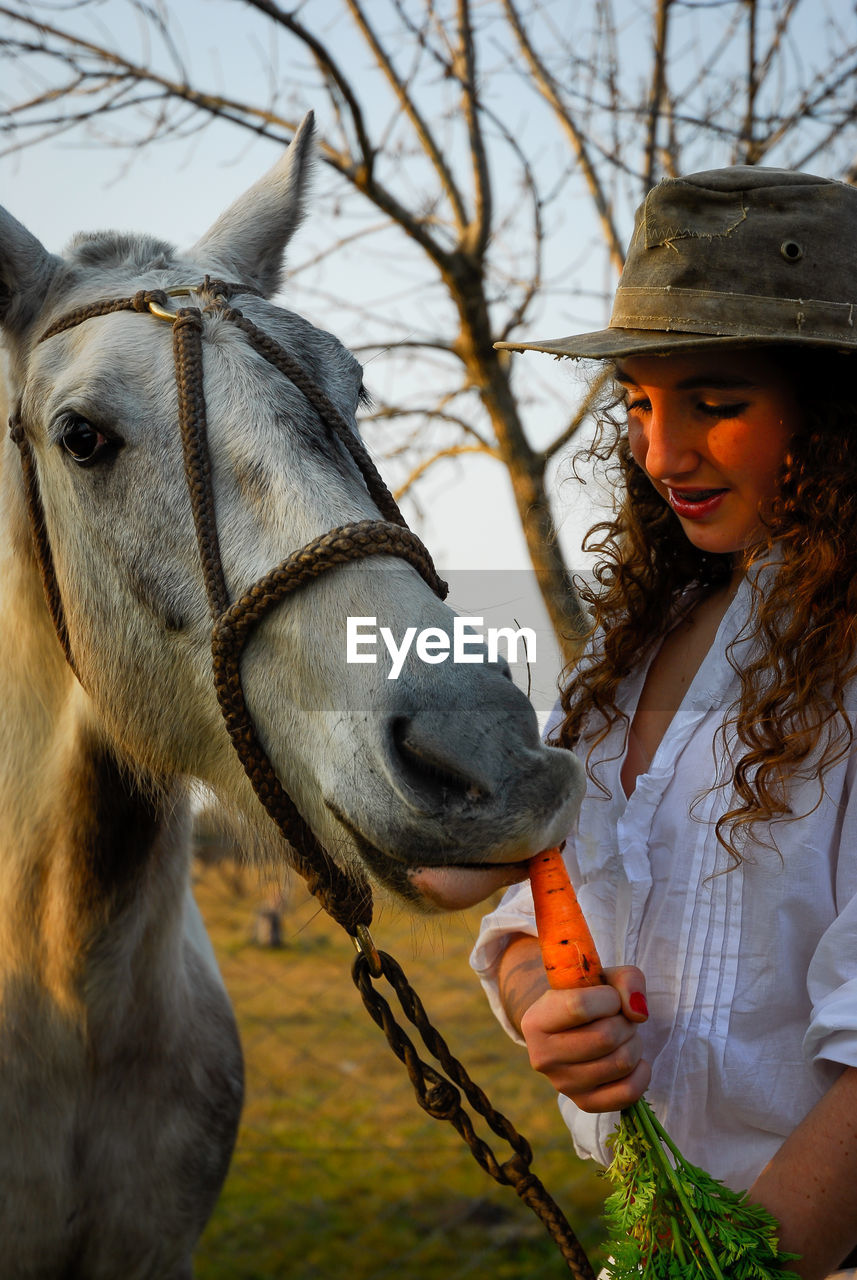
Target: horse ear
{"points": [[246, 243], [26, 271]]}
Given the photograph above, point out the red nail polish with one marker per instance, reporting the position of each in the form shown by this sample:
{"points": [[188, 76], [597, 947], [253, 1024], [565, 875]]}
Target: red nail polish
{"points": [[637, 1002]]}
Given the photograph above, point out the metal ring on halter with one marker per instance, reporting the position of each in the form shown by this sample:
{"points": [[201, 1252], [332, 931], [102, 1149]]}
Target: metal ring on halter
{"points": [[365, 946], [180, 291]]}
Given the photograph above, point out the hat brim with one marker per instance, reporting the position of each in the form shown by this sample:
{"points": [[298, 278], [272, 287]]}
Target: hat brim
{"points": [[607, 344]]}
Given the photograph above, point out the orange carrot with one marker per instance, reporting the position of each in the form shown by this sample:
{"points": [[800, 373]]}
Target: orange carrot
{"points": [[568, 952]]}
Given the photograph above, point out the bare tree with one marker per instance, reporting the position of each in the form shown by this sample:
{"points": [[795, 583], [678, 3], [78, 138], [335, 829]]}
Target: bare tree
{"points": [[485, 154]]}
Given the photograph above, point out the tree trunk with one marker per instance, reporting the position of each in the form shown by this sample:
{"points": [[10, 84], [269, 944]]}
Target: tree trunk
{"points": [[474, 346]]}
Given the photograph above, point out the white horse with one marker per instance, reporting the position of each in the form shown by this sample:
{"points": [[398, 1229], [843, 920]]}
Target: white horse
{"points": [[120, 1068]]}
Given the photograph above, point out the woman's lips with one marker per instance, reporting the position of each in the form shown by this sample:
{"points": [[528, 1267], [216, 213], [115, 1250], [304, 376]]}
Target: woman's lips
{"points": [[695, 504]]}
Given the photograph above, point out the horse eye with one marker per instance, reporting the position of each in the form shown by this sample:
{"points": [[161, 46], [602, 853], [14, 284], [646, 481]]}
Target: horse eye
{"points": [[83, 442]]}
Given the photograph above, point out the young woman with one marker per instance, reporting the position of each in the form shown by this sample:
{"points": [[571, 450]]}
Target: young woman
{"points": [[715, 855]]}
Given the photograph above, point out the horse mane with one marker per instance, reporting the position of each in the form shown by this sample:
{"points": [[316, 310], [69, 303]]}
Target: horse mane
{"points": [[140, 253]]}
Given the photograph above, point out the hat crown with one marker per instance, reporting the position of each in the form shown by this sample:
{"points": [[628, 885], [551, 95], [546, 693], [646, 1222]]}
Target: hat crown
{"points": [[741, 255], [725, 230]]}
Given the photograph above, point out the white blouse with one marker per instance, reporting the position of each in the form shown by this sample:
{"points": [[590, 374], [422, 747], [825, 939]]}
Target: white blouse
{"points": [[751, 973]]}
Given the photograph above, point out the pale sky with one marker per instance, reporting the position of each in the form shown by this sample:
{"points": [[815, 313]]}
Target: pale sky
{"points": [[176, 189]]}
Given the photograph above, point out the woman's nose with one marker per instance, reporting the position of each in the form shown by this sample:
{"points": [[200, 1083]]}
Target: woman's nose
{"points": [[670, 448]]}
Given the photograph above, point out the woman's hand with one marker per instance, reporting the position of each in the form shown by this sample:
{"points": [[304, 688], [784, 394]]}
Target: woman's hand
{"points": [[584, 1041]]}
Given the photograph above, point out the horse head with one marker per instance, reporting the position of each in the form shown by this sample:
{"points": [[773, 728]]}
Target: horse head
{"points": [[435, 782]]}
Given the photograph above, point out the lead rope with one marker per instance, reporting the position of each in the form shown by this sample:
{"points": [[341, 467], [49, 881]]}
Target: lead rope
{"points": [[347, 898], [439, 1093]]}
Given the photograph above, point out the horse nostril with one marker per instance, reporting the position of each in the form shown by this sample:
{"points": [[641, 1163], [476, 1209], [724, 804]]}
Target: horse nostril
{"points": [[430, 764]]}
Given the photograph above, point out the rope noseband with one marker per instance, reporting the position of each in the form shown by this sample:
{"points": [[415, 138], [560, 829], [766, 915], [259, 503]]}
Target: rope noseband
{"points": [[346, 897]]}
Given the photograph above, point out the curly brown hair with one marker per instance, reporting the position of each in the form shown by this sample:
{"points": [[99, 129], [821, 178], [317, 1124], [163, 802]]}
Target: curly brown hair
{"points": [[803, 626]]}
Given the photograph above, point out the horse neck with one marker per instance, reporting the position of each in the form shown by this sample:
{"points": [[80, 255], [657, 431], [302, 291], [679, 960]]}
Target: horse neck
{"points": [[81, 841]]}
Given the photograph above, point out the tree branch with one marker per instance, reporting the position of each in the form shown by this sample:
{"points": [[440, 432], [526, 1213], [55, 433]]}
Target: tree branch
{"points": [[421, 128], [656, 93], [330, 69], [454, 451], [479, 231], [547, 86], [391, 413], [748, 131]]}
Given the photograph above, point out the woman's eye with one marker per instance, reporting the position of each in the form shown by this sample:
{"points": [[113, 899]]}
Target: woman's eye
{"points": [[83, 442], [638, 405], [723, 410]]}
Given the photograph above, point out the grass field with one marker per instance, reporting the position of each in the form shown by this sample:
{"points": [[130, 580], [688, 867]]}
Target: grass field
{"points": [[338, 1172]]}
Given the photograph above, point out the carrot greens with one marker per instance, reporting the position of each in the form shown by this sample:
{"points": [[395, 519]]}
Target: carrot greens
{"points": [[668, 1219]]}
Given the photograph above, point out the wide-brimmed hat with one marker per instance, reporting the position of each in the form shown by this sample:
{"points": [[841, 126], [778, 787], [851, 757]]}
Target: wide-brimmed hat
{"points": [[736, 257]]}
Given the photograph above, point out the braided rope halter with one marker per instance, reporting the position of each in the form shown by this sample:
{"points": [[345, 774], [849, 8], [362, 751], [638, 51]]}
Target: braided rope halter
{"points": [[347, 897]]}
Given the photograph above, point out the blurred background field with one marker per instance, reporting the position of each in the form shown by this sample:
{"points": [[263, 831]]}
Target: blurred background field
{"points": [[338, 1172]]}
